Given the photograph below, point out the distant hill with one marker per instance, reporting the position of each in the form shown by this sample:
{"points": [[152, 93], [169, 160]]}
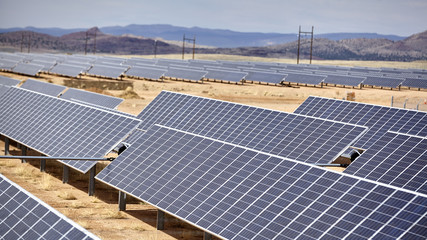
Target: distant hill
{"points": [[408, 49], [204, 36]]}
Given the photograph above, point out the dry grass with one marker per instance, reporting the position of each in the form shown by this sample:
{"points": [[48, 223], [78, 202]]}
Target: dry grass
{"points": [[66, 195], [46, 182], [77, 205], [115, 214]]}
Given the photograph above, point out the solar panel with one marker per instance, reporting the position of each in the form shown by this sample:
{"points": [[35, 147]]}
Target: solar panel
{"points": [[9, 81], [288, 135], [135, 135], [28, 69], [58, 127], [304, 78], [415, 83], [344, 80], [43, 87], [68, 70], [92, 98], [3, 89], [396, 159], [379, 119], [107, 71], [230, 76], [238, 193], [382, 81], [184, 73], [146, 72], [266, 77], [6, 64], [24, 216]]}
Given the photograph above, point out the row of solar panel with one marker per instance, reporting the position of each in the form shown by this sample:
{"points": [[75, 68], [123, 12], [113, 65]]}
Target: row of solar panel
{"points": [[235, 72], [73, 94], [194, 105]]}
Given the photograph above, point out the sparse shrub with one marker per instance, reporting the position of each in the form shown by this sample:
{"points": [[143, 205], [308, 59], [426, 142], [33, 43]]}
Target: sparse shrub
{"points": [[46, 182], [66, 195], [114, 214]]}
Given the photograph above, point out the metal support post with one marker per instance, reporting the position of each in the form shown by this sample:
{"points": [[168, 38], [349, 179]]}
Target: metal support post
{"points": [[24, 153], [6, 146], [160, 220], [391, 101], [92, 180], [122, 201], [43, 165], [207, 236], [65, 173]]}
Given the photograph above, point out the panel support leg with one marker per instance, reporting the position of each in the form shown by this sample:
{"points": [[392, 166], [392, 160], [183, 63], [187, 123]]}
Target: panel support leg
{"points": [[6, 146], [122, 201], [65, 173], [24, 153], [207, 236], [43, 165], [92, 173], [160, 220]]}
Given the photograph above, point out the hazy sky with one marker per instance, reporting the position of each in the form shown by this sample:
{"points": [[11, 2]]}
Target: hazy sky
{"points": [[399, 17]]}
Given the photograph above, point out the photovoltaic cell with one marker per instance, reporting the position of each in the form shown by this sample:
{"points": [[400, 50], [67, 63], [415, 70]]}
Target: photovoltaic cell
{"points": [[415, 83], [344, 80], [304, 78], [382, 81], [43, 87], [92, 98], [61, 128], [9, 81], [267, 77], [24, 216], [68, 70], [28, 68], [107, 71], [185, 73], [223, 75], [378, 119], [146, 72], [396, 159], [288, 135], [238, 193], [3, 89]]}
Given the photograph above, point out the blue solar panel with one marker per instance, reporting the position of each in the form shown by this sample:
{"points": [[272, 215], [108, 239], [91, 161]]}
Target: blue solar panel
{"points": [[288, 135], [92, 98], [28, 68], [304, 78], [3, 89], [415, 83], [395, 159], [185, 73], [146, 72], [267, 77], [9, 81], [378, 119], [58, 127], [24, 216], [114, 72], [68, 70], [223, 75], [238, 193], [344, 80], [43, 87], [383, 81]]}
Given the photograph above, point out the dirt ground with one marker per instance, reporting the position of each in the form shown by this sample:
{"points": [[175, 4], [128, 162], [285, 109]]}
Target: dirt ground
{"points": [[99, 214]]}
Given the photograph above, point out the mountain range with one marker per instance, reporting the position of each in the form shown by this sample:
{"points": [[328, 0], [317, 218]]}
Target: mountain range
{"points": [[411, 48], [204, 36]]}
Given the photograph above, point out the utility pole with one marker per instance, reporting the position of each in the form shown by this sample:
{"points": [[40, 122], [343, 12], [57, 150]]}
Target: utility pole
{"points": [[155, 49], [94, 45], [22, 41], [183, 45], [29, 42], [86, 42], [311, 43]]}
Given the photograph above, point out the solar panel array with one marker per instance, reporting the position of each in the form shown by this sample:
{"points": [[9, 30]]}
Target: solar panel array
{"points": [[304, 78], [68, 70], [383, 81], [288, 135], [8, 81], [43, 87], [415, 82], [344, 80], [267, 77], [24, 216], [58, 127], [238, 193], [223, 75], [92, 98], [188, 74], [396, 159], [107, 71], [146, 72], [379, 119], [28, 68]]}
